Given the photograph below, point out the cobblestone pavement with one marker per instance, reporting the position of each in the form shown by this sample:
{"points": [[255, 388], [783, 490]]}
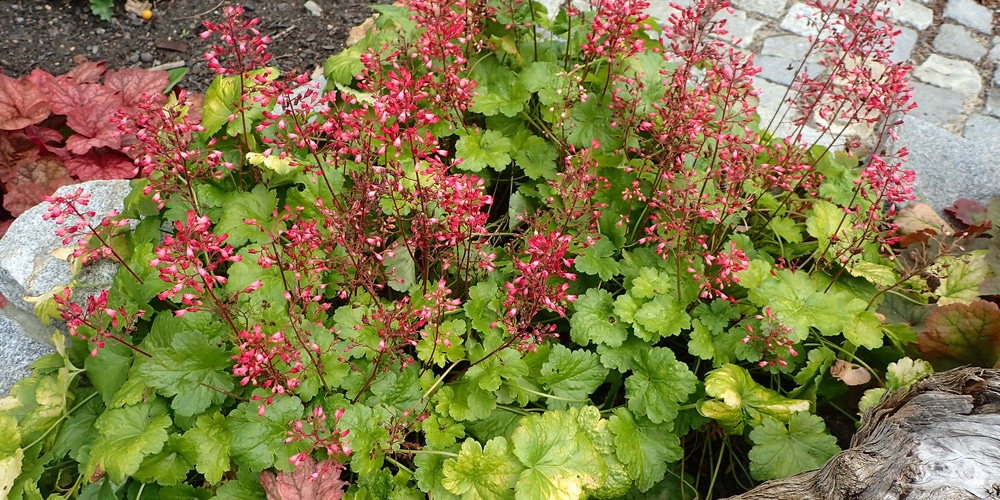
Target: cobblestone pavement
{"points": [[954, 46], [954, 133]]}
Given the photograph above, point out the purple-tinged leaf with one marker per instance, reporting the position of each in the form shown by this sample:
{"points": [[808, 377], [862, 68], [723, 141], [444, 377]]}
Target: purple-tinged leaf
{"points": [[959, 334]]}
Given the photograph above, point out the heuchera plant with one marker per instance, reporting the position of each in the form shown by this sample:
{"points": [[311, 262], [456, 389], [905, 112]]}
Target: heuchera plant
{"points": [[502, 255], [58, 130]]}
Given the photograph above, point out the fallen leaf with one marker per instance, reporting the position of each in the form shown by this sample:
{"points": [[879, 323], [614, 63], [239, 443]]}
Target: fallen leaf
{"points": [[137, 6], [62, 253], [850, 373], [358, 32], [315, 481]]}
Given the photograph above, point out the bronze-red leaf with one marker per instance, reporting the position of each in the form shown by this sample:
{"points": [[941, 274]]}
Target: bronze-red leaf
{"points": [[21, 103]]}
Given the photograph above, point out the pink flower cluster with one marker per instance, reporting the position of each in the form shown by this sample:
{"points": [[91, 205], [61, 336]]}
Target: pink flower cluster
{"points": [[95, 318], [189, 259], [542, 283], [242, 47], [771, 341]]}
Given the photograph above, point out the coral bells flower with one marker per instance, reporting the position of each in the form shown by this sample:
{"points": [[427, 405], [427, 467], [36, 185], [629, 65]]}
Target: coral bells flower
{"points": [[612, 32], [189, 259], [242, 49], [91, 323], [723, 266], [267, 361], [320, 434], [771, 341], [75, 220], [539, 285]]}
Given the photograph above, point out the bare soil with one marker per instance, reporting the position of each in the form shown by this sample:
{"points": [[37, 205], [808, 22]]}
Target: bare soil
{"points": [[55, 35]]}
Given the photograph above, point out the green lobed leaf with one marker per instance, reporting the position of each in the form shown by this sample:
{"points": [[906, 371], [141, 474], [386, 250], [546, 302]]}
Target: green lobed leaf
{"points": [[598, 260], [441, 432], [168, 466], [430, 475], [622, 358], [536, 157], [781, 451], [594, 320], [401, 269], [125, 436], [396, 391], [961, 276], [366, 435], [571, 375], [645, 449], [487, 149], [11, 453], [222, 100], [109, 369], [103, 9], [800, 305], [823, 220], [739, 400], [77, 433], [465, 401], [482, 472], [258, 441], [508, 99], [661, 317], [483, 305], [560, 461], [901, 374], [258, 205], [246, 486], [658, 384], [194, 370], [210, 441]]}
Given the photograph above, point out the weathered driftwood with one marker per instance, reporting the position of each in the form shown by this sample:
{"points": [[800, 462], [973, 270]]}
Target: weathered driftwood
{"points": [[938, 440]]}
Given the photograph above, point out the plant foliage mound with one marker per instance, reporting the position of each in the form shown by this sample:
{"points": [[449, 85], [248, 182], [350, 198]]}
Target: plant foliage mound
{"points": [[503, 255]]}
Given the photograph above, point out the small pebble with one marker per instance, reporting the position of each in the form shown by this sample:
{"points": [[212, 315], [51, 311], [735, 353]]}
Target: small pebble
{"points": [[145, 57], [18, 20], [134, 57], [99, 31], [313, 8]]}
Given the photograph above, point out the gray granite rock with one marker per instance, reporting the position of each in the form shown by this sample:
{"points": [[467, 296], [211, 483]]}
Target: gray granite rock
{"points": [[992, 106], [948, 166], [29, 269], [17, 353], [783, 71], [769, 8]]}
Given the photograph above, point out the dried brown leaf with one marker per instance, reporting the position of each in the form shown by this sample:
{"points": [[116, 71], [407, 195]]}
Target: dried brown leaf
{"points": [[850, 373]]}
